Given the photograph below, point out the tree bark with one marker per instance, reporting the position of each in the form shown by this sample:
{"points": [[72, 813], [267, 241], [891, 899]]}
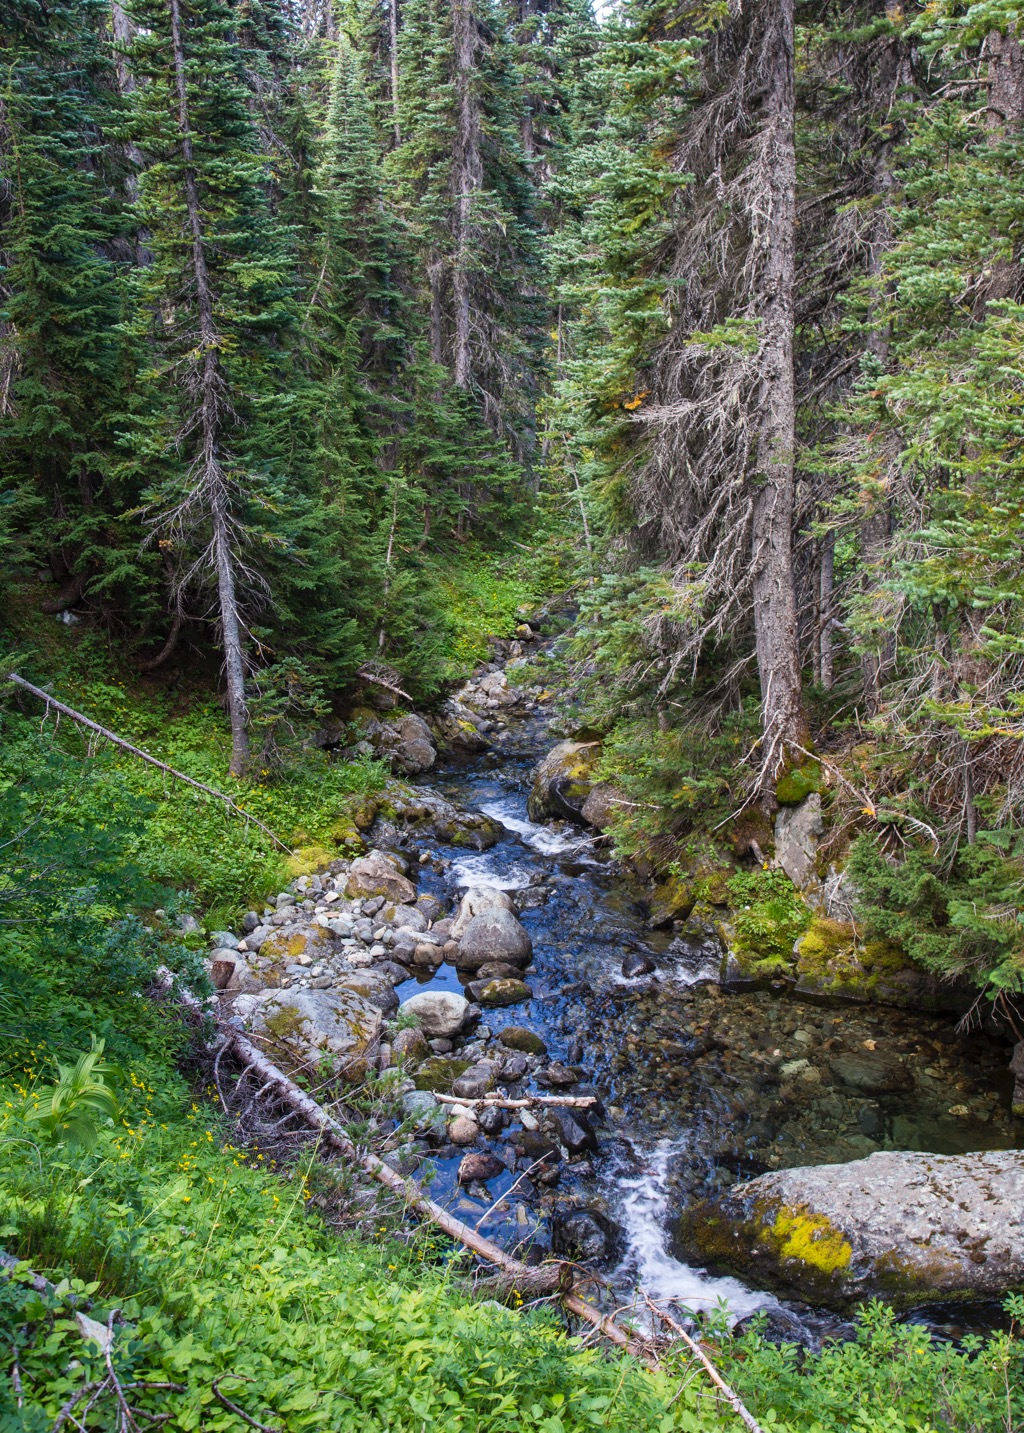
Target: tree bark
{"points": [[826, 584], [775, 621], [209, 470], [467, 180], [393, 25]]}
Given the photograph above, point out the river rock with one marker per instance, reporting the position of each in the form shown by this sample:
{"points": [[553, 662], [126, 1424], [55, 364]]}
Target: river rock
{"points": [[475, 1082], [475, 902], [572, 1129], [495, 993], [563, 781], [407, 918], [309, 1023], [411, 1046], [498, 970], [798, 831], [494, 935], [441, 1013], [482, 1166], [517, 1037], [906, 1226], [602, 805], [422, 1108], [224, 940], [373, 986], [636, 964], [376, 875], [463, 1130], [871, 1071], [439, 1073], [583, 1234]]}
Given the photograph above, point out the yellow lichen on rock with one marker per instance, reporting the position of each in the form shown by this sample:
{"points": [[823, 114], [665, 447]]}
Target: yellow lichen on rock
{"points": [[811, 1238]]}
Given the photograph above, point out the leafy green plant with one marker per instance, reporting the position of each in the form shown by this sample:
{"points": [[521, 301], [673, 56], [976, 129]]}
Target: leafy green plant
{"points": [[769, 915], [83, 1096]]}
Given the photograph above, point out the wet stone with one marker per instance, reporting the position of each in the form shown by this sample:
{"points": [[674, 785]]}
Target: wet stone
{"points": [[480, 1166], [517, 1037]]}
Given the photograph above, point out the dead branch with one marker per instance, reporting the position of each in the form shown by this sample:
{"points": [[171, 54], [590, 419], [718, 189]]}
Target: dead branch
{"points": [[546, 1278], [729, 1394], [502, 1103], [378, 681], [144, 756]]}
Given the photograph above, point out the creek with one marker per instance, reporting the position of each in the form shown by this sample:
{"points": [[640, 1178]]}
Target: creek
{"points": [[700, 1087]]}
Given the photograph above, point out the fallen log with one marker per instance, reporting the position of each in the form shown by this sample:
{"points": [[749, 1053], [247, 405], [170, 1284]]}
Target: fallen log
{"points": [[501, 1102], [111, 736], [546, 1279]]}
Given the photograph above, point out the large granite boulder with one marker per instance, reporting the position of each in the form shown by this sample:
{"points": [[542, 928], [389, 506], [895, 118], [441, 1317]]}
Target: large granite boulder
{"points": [[375, 874], [494, 935], [414, 750], [305, 1025], [477, 900], [904, 1226], [563, 781], [441, 1013]]}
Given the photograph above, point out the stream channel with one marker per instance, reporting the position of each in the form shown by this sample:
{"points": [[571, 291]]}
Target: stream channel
{"points": [[691, 1077]]}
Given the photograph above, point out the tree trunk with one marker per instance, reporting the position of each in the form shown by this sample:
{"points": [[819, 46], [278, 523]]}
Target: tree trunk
{"points": [[393, 24], [826, 584], [775, 622], [122, 31], [209, 472], [467, 179]]}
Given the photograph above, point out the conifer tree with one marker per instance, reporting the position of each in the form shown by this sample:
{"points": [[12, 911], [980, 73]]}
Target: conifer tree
{"points": [[217, 307]]}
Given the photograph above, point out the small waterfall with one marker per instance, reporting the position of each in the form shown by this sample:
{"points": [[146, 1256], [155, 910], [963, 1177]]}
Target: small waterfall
{"points": [[648, 1264]]}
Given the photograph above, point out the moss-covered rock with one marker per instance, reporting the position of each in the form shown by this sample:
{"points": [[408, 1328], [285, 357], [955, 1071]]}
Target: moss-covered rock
{"points": [[798, 783], [563, 781], [438, 1074], [307, 860], [904, 1226], [673, 899]]}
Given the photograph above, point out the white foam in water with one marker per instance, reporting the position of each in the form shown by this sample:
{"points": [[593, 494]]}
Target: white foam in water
{"points": [[541, 838], [482, 871], [648, 1262]]}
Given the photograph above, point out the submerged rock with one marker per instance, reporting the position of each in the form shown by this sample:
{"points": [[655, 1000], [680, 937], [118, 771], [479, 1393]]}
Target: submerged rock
{"points": [[499, 992], [583, 1234], [517, 1037], [480, 1166], [904, 1226], [871, 1071]]}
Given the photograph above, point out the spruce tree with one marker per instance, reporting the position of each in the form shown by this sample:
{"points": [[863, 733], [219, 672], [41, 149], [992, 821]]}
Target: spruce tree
{"points": [[215, 309]]}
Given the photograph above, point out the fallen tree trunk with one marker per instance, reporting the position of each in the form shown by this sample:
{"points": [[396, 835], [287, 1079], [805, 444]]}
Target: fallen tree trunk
{"points": [[543, 1280], [501, 1102], [108, 735]]}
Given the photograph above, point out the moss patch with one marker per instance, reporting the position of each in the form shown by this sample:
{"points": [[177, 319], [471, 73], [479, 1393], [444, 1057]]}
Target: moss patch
{"points": [[439, 1074], [812, 1239], [307, 860], [798, 783], [831, 959]]}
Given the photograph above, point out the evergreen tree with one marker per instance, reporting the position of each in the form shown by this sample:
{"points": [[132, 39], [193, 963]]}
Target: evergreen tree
{"points": [[215, 307]]}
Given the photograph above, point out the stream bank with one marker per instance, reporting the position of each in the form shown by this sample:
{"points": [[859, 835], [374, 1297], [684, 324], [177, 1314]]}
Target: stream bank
{"points": [[700, 1087]]}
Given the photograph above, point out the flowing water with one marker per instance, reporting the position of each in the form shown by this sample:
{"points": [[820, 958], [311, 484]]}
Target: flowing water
{"points": [[686, 1072]]}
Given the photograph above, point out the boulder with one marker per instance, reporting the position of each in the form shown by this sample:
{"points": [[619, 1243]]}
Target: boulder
{"points": [[798, 830], [421, 1107], [409, 918], [373, 986], [495, 993], [604, 802], [904, 1226], [411, 1046], [439, 1073], [413, 752], [441, 1013], [871, 1071], [310, 1023], [494, 935], [517, 1037], [375, 874], [572, 1129], [482, 1166], [475, 1082], [563, 781], [583, 1234], [636, 964], [308, 943], [475, 902]]}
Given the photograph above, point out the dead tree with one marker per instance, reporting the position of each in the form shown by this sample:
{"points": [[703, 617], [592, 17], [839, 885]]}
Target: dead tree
{"points": [[715, 480]]}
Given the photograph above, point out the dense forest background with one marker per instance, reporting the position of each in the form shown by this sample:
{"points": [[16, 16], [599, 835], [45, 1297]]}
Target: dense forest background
{"points": [[715, 307]]}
